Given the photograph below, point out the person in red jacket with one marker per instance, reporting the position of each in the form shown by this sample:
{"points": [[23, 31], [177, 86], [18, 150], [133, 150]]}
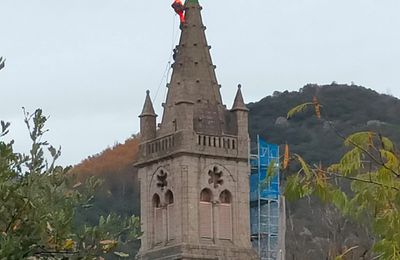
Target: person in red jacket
{"points": [[179, 9]]}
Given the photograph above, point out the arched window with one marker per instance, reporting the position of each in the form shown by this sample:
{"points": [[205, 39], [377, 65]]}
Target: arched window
{"points": [[225, 197], [206, 216], [225, 215], [156, 201], [169, 197], [169, 200], [206, 195], [158, 219]]}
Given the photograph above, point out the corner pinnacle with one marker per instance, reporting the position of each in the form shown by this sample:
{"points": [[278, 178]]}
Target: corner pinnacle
{"points": [[239, 104], [148, 109]]}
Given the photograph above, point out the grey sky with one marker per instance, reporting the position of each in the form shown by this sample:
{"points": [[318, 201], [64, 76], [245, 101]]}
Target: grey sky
{"points": [[88, 63]]}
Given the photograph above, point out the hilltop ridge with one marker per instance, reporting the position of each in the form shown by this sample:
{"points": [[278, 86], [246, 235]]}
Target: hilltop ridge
{"points": [[350, 108]]}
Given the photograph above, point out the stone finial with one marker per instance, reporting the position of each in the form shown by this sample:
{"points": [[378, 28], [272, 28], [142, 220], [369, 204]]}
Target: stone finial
{"points": [[148, 109], [239, 104]]}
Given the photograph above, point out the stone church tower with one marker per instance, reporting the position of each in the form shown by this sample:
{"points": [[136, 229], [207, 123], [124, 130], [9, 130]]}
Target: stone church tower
{"points": [[193, 168]]}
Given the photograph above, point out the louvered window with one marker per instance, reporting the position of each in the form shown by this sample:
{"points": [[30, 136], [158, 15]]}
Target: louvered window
{"points": [[171, 224], [206, 219], [157, 219], [158, 225], [225, 216], [206, 215], [225, 221]]}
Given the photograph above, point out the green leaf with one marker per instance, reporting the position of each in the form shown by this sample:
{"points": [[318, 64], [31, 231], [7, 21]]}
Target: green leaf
{"points": [[304, 166], [350, 162], [387, 144], [272, 171], [102, 221], [360, 138], [339, 198], [121, 254], [296, 188], [298, 109], [87, 206]]}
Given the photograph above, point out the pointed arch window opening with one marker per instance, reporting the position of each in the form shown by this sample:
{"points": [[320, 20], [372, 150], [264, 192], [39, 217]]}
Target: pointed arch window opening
{"points": [[170, 215], [206, 219], [206, 195], [158, 230], [225, 215], [156, 201], [225, 197]]}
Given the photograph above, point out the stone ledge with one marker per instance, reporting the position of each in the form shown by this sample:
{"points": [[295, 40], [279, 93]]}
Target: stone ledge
{"points": [[201, 252]]}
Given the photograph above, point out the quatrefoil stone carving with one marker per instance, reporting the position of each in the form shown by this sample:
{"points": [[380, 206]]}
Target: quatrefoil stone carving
{"points": [[215, 177], [162, 179]]}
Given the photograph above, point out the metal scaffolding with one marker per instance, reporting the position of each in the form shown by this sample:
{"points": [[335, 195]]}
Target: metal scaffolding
{"points": [[265, 203]]}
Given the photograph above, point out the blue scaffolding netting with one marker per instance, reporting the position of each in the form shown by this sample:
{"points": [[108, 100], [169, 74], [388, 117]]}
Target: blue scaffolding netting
{"points": [[265, 200]]}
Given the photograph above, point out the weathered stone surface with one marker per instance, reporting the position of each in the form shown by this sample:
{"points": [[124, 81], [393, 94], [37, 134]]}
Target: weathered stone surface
{"points": [[190, 252], [194, 172]]}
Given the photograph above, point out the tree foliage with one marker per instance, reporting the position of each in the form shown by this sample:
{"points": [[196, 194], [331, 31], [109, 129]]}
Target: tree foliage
{"points": [[314, 228], [120, 190], [39, 202], [371, 164]]}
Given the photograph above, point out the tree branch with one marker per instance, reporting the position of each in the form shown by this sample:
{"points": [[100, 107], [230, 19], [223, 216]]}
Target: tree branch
{"points": [[380, 163], [358, 179]]}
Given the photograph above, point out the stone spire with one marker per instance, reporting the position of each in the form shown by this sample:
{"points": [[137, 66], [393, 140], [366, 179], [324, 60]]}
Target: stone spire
{"points": [[239, 104], [148, 117], [148, 109], [193, 80], [198, 158]]}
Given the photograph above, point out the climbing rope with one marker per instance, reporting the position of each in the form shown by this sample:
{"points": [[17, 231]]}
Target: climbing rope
{"points": [[166, 74]]}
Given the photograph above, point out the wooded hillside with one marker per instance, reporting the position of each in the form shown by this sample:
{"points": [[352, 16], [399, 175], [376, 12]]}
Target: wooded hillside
{"points": [[313, 229]]}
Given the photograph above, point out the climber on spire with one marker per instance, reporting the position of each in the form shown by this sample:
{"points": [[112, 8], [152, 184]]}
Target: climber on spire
{"points": [[179, 9]]}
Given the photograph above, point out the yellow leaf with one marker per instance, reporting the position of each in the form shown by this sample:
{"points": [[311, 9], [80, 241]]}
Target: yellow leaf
{"points": [[108, 245], [107, 242], [304, 166], [121, 254], [298, 109], [17, 225], [286, 158], [49, 227], [69, 244], [359, 138], [77, 185], [317, 107], [370, 139]]}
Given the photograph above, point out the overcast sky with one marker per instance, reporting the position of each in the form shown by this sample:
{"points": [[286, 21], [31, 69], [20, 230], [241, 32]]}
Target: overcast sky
{"points": [[88, 63]]}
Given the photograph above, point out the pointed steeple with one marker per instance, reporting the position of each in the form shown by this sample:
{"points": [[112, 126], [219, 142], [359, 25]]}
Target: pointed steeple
{"points": [[198, 136], [193, 80], [239, 104], [148, 109], [148, 117]]}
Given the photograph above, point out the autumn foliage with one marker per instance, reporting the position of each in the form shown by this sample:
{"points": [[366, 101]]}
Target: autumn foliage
{"points": [[120, 190], [112, 160]]}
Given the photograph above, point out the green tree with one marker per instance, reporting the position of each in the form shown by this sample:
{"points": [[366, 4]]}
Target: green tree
{"points": [[371, 166], [39, 202]]}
